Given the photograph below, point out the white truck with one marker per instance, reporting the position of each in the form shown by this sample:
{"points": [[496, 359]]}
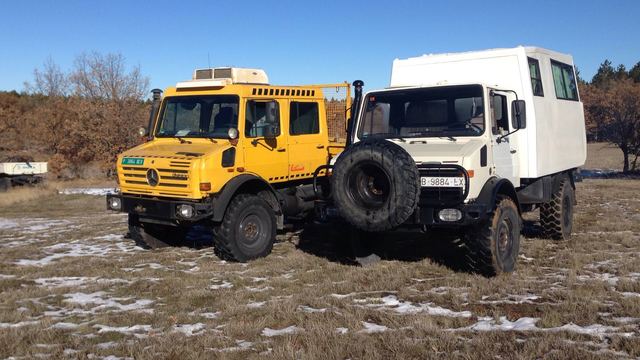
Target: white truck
{"points": [[21, 173], [466, 142]]}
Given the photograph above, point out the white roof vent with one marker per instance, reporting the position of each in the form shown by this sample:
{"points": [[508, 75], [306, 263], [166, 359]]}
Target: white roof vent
{"points": [[213, 77]]}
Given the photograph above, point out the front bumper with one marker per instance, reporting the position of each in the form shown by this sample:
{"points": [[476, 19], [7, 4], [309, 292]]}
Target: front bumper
{"points": [[160, 209], [472, 214]]}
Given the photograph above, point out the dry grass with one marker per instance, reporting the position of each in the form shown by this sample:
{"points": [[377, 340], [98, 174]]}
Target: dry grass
{"points": [[69, 280], [603, 156], [309, 282]]}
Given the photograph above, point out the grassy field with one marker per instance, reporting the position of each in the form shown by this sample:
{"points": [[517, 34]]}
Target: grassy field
{"points": [[72, 286]]}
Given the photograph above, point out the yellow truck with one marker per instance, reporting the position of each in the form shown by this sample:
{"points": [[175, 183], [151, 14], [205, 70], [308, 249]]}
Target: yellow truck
{"points": [[229, 151]]}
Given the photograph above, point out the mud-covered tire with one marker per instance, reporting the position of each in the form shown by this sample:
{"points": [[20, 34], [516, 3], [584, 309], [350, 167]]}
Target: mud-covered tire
{"points": [[375, 185], [493, 246], [556, 216], [5, 184], [247, 231], [154, 236]]}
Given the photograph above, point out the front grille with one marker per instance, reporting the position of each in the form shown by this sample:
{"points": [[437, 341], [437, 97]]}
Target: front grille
{"points": [[441, 196], [174, 176]]}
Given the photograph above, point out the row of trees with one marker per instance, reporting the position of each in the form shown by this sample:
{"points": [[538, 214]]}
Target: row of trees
{"points": [[612, 109], [81, 119], [77, 120]]}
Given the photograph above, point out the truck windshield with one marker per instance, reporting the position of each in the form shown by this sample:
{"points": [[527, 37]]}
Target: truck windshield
{"points": [[425, 112], [198, 116]]}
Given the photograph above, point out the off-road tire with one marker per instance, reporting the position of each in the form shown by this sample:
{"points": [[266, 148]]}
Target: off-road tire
{"points": [[247, 231], [493, 246], [375, 185], [5, 184], [556, 216], [154, 236]]}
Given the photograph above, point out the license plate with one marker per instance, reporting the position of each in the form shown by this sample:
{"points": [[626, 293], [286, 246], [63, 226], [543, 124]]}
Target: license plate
{"points": [[441, 181], [132, 161]]}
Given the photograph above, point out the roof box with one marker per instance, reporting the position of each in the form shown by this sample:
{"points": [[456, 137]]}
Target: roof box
{"points": [[211, 77]]}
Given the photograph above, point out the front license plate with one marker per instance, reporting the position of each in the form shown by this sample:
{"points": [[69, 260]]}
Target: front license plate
{"points": [[440, 181], [132, 161]]}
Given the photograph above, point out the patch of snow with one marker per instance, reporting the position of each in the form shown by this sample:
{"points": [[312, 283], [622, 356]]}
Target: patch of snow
{"points": [[626, 320], [342, 330], [606, 277], [309, 309], [77, 248], [240, 346], [489, 324], [107, 345], [629, 294], [87, 191], [391, 302], [256, 304], [259, 279], [511, 299], [206, 315], [258, 289], [64, 326], [371, 328], [7, 223], [223, 285], [4, 276], [524, 258], [18, 325], [279, 332], [75, 281], [189, 329], [103, 303], [139, 331], [529, 324]]}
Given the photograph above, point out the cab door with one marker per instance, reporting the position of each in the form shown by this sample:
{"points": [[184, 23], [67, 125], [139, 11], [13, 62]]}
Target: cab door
{"points": [[307, 138], [504, 151], [265, 141]]}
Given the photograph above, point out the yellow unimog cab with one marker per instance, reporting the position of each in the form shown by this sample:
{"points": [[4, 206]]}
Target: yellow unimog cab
{"points": [[231, 152]]}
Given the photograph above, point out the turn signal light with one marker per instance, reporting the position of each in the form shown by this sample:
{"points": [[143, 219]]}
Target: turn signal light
{"points": [[205, 186], [470, 172]]}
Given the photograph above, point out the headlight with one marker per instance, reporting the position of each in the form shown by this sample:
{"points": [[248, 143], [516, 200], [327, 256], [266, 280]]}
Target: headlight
{"points": [[115, 203], [186, 211], [449, 215]]}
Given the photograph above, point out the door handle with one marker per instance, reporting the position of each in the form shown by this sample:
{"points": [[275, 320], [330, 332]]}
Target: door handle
{"points": [[319, 146], [281, 149]]}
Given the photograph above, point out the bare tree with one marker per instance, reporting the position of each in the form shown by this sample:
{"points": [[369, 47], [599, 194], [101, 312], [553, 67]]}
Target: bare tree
{"points": [[50, 80], [98, 76]]}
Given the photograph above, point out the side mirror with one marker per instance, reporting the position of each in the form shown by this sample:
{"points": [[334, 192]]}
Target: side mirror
{"points": [[518, 114], [142, 131]]}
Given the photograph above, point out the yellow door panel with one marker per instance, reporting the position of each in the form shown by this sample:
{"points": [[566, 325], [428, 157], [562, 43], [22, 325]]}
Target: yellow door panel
{"points": [[307, 138], [265, 145]]}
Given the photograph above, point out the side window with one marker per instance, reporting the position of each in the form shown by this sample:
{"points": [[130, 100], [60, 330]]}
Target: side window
{"points": [[262, 119], [304, 118], [564, 81], [536, 78], [499, 114]]}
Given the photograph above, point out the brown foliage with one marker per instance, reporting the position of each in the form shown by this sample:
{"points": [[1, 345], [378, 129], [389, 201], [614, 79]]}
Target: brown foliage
{"points": [[612, 113], [71, 132]]}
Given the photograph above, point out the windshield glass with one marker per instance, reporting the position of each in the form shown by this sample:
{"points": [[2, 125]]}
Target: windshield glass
{"points": [[426, 112], [198, 116]]}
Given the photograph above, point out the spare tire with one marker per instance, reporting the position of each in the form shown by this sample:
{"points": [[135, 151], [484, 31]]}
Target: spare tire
{"points": [[375, 185]]}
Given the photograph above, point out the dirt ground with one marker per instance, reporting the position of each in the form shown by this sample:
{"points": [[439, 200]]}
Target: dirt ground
{"points": [[72, 286]]}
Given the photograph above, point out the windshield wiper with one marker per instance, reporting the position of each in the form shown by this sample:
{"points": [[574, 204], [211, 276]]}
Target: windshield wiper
{"points": [[386, 136], [182, 141], [448, 137]]}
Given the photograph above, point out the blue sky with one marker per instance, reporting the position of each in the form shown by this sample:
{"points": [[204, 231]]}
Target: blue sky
{"points": [[300, 42]]}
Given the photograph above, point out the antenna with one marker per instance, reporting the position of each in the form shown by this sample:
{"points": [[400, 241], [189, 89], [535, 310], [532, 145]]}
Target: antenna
{"points": [[208, 61]]}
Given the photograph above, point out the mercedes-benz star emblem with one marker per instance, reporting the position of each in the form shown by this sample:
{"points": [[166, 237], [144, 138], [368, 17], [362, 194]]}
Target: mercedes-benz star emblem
{"points": [[152, 177]]}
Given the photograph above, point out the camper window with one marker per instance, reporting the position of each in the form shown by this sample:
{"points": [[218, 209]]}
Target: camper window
{"points": [[564, 81], [536, 78]]}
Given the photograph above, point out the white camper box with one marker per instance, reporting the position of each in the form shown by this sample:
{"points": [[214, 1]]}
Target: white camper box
{"points": [[554, 139]]}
